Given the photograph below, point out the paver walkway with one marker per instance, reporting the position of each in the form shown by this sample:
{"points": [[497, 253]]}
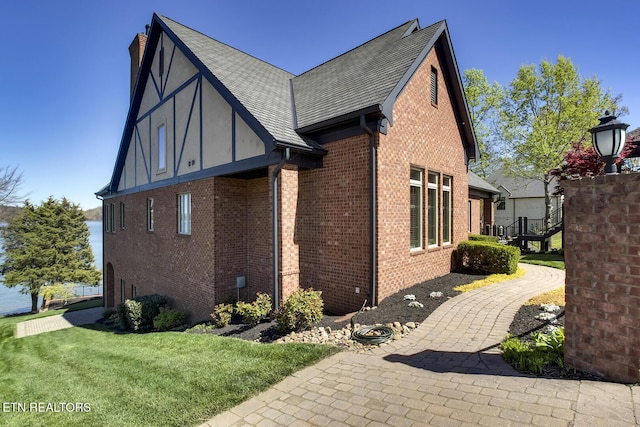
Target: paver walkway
{"points": [[60, 321], [448, 372]]}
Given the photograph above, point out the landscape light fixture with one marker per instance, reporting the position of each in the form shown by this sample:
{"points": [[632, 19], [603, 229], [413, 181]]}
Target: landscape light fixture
{"points": [[609, 137]]}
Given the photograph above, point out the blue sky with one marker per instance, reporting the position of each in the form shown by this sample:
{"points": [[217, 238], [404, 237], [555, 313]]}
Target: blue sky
{"points": [[64, 79]]}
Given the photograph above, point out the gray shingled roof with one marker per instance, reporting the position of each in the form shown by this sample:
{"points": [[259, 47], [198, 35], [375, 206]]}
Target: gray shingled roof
{"points": [[519, 188], [478, 183], [360, 78], [261, 87]]}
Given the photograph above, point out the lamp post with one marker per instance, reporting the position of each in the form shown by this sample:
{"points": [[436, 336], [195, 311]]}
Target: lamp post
{"points": [[609, 137]]}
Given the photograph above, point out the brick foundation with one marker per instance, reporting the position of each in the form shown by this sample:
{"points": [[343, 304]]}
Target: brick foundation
{"points": [[602, 254]]}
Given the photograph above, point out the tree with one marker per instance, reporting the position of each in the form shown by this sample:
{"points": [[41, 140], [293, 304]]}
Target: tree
{"points": [[547, 109], [47, 245], [585, 162], [10, 182], [484, 101]]}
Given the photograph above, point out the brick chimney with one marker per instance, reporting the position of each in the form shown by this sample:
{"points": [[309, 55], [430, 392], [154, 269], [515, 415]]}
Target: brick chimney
{"points": [[136, 50]]}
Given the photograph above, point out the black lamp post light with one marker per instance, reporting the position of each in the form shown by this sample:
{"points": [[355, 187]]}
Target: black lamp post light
{"points": [[609, 137]]}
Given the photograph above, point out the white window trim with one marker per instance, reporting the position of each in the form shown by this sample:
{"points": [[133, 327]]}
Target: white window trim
{"points": [[434, 186], [184, 213], [446, 189], [418, 184]]}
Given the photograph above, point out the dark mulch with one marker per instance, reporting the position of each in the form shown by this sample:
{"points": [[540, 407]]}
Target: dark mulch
{"points": [[525, 324], [392, 309]]}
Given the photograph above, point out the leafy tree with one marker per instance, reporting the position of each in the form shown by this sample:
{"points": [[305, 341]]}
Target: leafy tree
{"points": [[484, 101], [580, 161], [47, 245], [547, 109]]}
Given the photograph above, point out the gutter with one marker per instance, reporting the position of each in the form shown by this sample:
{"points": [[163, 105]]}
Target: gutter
{"points": [[286, 156], [373, 255]]}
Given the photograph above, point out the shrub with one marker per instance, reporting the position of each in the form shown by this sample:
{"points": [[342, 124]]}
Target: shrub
{"points": [[523, 356], [133, 313], [123, 321], [253, 313], [222, 314], [168, 319], [151, 305], [108, 312], [483, 238], [301, 310], [138, 313], [488, 257]]}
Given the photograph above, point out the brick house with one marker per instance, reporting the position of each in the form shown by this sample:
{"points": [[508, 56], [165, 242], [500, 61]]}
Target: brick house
{"points": [[235, 177]]}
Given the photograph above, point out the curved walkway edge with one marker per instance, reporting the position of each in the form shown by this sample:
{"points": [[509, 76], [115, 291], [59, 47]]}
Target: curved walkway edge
{"points": [[448, 371]]}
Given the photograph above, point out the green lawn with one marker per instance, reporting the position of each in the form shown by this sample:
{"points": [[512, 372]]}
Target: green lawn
{"points": [[168, 379], [547, 259]]}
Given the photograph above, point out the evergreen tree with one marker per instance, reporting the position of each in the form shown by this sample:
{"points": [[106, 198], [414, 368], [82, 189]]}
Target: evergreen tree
{"points": [[47, 245]]}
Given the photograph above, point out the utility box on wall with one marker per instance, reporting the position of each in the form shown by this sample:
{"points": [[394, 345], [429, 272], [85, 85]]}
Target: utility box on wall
{"points": [[602, 258]]}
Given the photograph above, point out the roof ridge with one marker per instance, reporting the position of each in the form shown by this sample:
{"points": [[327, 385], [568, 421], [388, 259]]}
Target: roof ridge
{"points": [[225, 44], [359, 46]]}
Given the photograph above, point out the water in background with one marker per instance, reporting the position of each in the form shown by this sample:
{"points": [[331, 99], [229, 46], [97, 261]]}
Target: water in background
{"points": [[12, 301]]}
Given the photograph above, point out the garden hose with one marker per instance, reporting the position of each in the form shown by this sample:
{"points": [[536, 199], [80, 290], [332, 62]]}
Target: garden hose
{"points": [[371, 335]]}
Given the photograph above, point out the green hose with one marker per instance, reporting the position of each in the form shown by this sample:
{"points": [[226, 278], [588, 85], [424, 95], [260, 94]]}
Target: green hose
{"points": [[372, 335]]}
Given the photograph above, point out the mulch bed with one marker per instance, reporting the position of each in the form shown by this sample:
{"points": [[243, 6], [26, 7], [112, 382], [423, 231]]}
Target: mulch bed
{"points": [[392, 309]]}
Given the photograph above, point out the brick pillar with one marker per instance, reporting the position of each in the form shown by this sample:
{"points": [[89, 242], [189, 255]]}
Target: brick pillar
{"points": [[602, 256], [487, 206], [289, 247]]}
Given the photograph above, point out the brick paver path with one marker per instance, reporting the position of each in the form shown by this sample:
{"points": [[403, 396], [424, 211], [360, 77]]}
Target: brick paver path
{"points": [[448, 372], [60, 321]]}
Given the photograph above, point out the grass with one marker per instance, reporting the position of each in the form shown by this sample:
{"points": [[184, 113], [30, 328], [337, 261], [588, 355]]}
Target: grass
{"points": [[489, 280], [555, 296], [548, 259], [169, 379]]}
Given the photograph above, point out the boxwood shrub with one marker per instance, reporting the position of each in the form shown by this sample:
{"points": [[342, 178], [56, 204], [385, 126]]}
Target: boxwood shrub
{"points": [[487, 257], [483, 238]]}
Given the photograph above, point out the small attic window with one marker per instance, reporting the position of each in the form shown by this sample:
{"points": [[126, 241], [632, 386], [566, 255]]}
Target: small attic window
{"points": [[161, 62], [434, 86]]}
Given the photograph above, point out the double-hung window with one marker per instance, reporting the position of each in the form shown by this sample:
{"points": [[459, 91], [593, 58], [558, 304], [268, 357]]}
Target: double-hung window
{"points": [[149, 214], [184, 213], [416, 207], [432, 214], [446, 209]]}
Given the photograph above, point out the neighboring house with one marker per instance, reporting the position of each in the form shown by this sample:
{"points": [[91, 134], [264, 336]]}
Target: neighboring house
{"points": [[521, 197], [236, 177], [482, 198]]}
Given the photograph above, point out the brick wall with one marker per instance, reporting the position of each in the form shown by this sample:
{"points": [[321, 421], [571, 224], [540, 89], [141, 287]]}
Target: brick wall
{"points": [[332, 225], [475, 216], [230, 237], [427, 137], [602, 257]]}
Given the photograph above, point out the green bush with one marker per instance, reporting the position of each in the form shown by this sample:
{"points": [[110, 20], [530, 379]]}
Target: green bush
{"points": [[168, 319], [138, 313], [523, 356], [151, 305], [301, 310], [483, 238], [486, 257], [133, 313], [253, 313], [222, 314], [108, 312], [123, 321]]}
